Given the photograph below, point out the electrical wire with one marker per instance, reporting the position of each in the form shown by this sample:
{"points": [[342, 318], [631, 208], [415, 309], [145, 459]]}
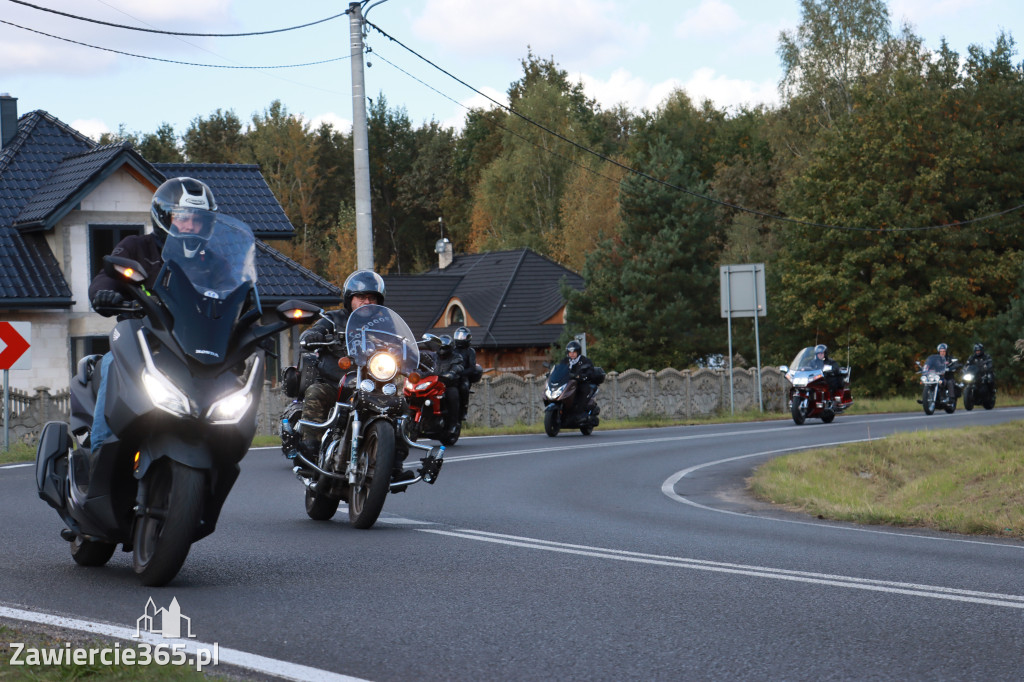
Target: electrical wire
{"points": [[646, 176], [174, 61], [176, 33]]}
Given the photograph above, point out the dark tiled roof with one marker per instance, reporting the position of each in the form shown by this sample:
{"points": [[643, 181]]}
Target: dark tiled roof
{"points": [[241, 191], [509, 294], [281, 278]]}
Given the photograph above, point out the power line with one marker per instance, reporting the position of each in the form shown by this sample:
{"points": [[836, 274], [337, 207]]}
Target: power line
{"points": [[175, 33], [646, 176], [173, 61]]}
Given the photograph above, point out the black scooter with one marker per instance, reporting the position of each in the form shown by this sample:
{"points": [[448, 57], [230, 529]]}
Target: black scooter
{"points": [[563, 408], [181, 402]]}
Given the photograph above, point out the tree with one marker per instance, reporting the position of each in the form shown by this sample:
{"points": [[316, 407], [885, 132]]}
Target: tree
{"points": [[217, 139]]}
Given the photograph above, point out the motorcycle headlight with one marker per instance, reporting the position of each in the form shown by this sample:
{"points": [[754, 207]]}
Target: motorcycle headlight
{"points": [[968, 377], [232, 407], [423, 385], [800, 381], [382, 366], [164, 394], [555, 394]]}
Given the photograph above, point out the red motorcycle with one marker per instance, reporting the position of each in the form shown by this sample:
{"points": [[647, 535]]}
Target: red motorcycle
{"points": [[424, 393], [810, 394]]}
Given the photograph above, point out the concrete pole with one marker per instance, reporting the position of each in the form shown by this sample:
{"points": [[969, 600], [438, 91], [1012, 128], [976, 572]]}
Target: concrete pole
{"points": [[360, 143]]}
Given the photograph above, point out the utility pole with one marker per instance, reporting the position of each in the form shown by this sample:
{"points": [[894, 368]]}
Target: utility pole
{"points": [[360, 142]]}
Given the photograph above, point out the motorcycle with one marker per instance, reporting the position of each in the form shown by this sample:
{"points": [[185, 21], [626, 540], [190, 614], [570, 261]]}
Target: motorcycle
{"points": [[364, 443], [181, 401], [979, 386], [935, 385], [560, 404], [428, 416], [810, 395]]}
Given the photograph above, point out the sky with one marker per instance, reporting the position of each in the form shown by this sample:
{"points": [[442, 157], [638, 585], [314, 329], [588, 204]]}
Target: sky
{"points": [[631, 52]]}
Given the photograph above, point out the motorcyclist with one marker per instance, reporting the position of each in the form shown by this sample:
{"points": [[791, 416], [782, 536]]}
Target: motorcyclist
{"points": [[979, 359], [181, 208], [581, 369], [450, 368], [462, 339], [821, 360], [941, 363], [362, 287]]}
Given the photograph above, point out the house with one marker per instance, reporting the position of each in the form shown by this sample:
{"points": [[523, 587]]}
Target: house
{"points": [[511, 301], [65, 201]]}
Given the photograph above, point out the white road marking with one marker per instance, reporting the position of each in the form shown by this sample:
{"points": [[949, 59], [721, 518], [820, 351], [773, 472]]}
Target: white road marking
{"points": [[911, 589], [242, 659]]}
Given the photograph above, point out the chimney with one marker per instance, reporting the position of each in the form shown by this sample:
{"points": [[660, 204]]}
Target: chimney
{"points": [[8, 118], [443, 247]]}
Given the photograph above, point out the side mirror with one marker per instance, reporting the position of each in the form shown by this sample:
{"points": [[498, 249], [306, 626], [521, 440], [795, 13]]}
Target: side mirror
{"points": [[783, 368], [124, 269], [297, 312]]}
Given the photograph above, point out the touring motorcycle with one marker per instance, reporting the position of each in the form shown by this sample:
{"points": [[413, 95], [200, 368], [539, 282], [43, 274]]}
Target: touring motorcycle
{"points": [[364, 443], [938, 388], [560, 401], [182, 395], [810, 395], [979, 386], [424, 393]]}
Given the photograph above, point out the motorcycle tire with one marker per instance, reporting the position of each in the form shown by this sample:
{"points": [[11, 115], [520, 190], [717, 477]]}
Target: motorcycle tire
{"points": [[551, 425], [990, 400], [950, 407], [373, 475], [91, 552], [799, 412], [828, 416], [928, 402], [969, 399], [412, 429], [451, 435], [320, 507], [587, 430], [165, 528]]}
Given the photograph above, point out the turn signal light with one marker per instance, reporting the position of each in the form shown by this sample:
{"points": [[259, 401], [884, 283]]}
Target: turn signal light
{"points": [[414, 378], [345, 363], [135, 464]]}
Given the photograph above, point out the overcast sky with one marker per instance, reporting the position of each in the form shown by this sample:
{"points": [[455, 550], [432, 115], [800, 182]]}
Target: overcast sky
{"points": [[631, 51]]}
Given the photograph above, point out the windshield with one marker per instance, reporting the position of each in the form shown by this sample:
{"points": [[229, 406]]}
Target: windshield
{"points": [[935, 363], [559, 374], [217, 260], [373, 328], [805, 360]]}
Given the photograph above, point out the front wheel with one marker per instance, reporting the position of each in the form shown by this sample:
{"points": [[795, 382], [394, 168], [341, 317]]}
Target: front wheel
{"points": [[166, 525], [799, 410], [551, 423], [969, 398], [373, 475], [91, 552], [928, 400], [451, 434]]}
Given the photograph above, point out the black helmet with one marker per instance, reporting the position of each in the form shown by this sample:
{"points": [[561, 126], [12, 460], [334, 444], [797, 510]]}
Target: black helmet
{"points": [[942, 346], [363, 281], [183, 197], [820, 348], [445, 347], [574, 346], [462, 337], [978, 349]]}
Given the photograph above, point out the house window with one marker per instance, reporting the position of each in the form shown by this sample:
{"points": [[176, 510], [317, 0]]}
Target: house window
{"points": [[456, 316], [82, 346], [103, 239]]}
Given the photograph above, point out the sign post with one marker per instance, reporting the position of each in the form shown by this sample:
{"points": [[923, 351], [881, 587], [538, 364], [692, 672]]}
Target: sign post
{"points": [[16, 340], [743, 296]]}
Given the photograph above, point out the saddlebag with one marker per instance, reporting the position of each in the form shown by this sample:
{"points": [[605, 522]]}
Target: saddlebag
{"points": [[598, 376]]}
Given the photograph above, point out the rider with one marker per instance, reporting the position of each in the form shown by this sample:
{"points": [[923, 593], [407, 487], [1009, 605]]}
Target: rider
{"points": [[180, 208], [462, 338], [362, 287], [834, 377], [450, 369], [941, 363], [980, 360], [581, 369]]}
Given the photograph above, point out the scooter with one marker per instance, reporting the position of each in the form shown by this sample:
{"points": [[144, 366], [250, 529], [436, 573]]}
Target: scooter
{"points": [[181, 401], [560, 402]]}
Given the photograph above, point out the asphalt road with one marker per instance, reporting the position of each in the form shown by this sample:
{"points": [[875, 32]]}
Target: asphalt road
{"points": [[623, 555]]}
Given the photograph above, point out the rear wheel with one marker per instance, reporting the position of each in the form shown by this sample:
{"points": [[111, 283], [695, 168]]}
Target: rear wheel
{"points": [[373, 475], [320, 507], [990, 399], [167, 524], [551, 423], [827, 416], [91, 552], [950, 406], [799, 410], [587, 430]]}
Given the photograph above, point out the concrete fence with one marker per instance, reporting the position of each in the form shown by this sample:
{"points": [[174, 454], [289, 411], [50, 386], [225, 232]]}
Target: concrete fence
{"points": [[507, 399]]}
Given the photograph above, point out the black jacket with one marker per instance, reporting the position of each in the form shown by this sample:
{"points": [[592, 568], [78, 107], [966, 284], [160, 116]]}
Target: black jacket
{"points": [[143, 249], [582, 369]]}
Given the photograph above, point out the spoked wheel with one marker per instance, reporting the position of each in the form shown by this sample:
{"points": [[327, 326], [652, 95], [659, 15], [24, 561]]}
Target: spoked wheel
{"points": [[320, 507], [91, 552], [166, 525], [969, 399], [373, 475], [799, 410], [928, 401], [551, 423], [451, 435]]}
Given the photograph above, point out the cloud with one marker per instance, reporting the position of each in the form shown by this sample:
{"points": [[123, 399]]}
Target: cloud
{"points": [[711, 19], [93, 127], [340, 125], [729, 93], [458, 119]]}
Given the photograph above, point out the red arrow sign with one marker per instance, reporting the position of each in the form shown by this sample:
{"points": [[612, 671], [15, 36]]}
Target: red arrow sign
{"points": [[16, 345]]}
